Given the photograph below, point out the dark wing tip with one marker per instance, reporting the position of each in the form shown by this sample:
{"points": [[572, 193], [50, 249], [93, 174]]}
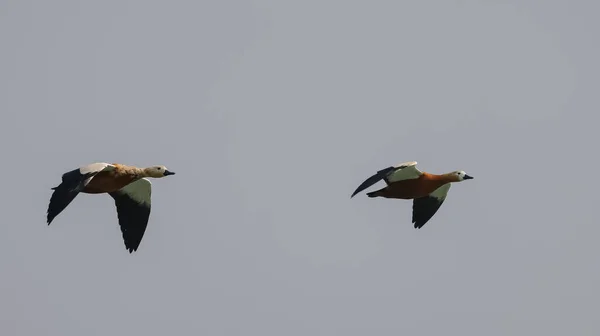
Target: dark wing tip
{"points": [[423, 210], [61, 197], [380, 175], [64, 193], [133, 219]]}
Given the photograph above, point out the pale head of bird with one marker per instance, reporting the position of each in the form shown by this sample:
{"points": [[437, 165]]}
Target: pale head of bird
{"points": [[460, 175], [157, 171]]}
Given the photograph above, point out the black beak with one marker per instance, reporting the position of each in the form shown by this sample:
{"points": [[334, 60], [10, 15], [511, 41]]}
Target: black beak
{"points": [[167, 173], [467, 177]]}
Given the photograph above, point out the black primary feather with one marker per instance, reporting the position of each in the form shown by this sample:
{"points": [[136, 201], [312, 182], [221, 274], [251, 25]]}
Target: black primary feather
{"points": [[133, 219], [380, 175], [65, 193], [423, 209]]}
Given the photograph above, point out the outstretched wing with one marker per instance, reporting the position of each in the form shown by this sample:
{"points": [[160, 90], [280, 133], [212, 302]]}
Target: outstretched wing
{"points": [[403, 171], [133, 210], [425, 207], [72, 183]]}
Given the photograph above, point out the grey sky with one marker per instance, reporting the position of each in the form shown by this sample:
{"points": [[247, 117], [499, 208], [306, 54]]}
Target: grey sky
{"points": [[272, 112]]}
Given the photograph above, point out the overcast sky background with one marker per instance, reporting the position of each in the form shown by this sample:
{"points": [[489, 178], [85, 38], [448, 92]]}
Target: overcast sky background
{"points": [[271, 112]]}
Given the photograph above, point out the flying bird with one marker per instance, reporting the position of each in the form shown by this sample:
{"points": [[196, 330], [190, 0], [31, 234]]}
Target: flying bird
{"points": [[127, 185], [405, 181]]}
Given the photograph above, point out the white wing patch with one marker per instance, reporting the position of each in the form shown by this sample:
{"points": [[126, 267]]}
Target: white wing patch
{"points": [[140, 191], [96, 168], [441, 192], [405, 171], [406, 164]]}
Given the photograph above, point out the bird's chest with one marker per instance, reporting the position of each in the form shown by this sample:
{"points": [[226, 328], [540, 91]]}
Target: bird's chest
{"points": [[414, 188], [106, 182]]}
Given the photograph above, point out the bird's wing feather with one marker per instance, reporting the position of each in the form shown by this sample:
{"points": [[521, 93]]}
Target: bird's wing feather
{"points": [[133, 203], [425, 207], [72, 183], [95, 168], [403, 171]]}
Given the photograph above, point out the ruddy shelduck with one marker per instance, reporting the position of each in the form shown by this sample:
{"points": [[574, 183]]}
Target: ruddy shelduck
{"points": [[128, 186], [405, 181]]}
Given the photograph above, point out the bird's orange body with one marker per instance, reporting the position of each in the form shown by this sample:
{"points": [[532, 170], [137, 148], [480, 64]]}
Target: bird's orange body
{"points": [[106, 182], [111, 181], [413, 188]]}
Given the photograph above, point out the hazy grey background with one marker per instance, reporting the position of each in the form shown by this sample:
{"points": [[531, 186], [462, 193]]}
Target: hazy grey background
{"points": [[272, 112]]}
